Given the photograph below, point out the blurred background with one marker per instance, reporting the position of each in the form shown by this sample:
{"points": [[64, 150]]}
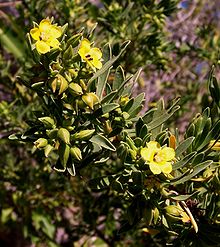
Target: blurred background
{"points": [[174, 42]]}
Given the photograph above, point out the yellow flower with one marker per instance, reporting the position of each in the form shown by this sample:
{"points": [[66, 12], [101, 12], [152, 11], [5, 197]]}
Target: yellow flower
{"points": [[214, 145], [46, 36], [159, 159], [90, 55]]}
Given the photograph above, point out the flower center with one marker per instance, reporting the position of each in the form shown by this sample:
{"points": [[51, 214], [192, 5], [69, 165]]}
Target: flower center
{"points": [[158, 157], [88, 57], [44, 36]]}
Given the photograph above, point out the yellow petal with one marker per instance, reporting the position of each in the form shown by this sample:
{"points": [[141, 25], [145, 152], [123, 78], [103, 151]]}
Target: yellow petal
{"points": [[53, 43], [42, 47], [147, 154], [85, 44], [168, 153], [215, 146], [166, 168], [35, 33], [155, 169], [84, 48], [55, 31], [45, 25], [96, 63], [153, 145], [96, 53]]}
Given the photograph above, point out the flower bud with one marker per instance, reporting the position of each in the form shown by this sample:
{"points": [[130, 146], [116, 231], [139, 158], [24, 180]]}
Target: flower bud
{"points": [[73, 72], [83, 85], [41, 143], [52, 134], [124, 100], [63, 84], [174, 212], [76, 153], [64, 151], [47, 121], [68, 54], [64, 135], [90, 99], [47, 150], [75, 89], [59, 82], [83, 134]]}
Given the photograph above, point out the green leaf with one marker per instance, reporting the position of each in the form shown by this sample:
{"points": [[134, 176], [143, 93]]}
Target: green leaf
{"points": [[138, 126], [194, 171], [137, 103], [119, 78], [183, 197], [74, 40], [109, 107], [102, 79], [64, 151], [71, 169], [100, 183], [143, 131], [214, 133], [184, 145], [149, 115], [103, 142], [109, 97], [184, 161], [128, 105], [159, 120]]}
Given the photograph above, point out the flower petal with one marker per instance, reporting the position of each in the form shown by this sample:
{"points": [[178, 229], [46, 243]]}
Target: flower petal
{"points": [[147, 154], [155, 169], [84, 48], [53, 43], [168, 153], [45, 25], [42, 47], [97, 64], [55, 31], [153, 145], [166, 168], [35, 33], [95, 53]]}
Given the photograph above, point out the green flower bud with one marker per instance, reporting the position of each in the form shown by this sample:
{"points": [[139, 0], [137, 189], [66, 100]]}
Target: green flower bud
{"points": [[90, 99], [173, 212], [52, 134], [83, 134], [63, 84], [47, 121], [64, 151], [76, 153], [64, 135], [133, 154], [83, 85], [59, 82], [41, 143], [47, 150], [125, 115], [124, 100], [73, 72], [68, 54], [75, 89]]}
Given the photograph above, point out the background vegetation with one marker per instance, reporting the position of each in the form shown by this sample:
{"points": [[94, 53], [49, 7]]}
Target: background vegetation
{"points": [[175, 43]]}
